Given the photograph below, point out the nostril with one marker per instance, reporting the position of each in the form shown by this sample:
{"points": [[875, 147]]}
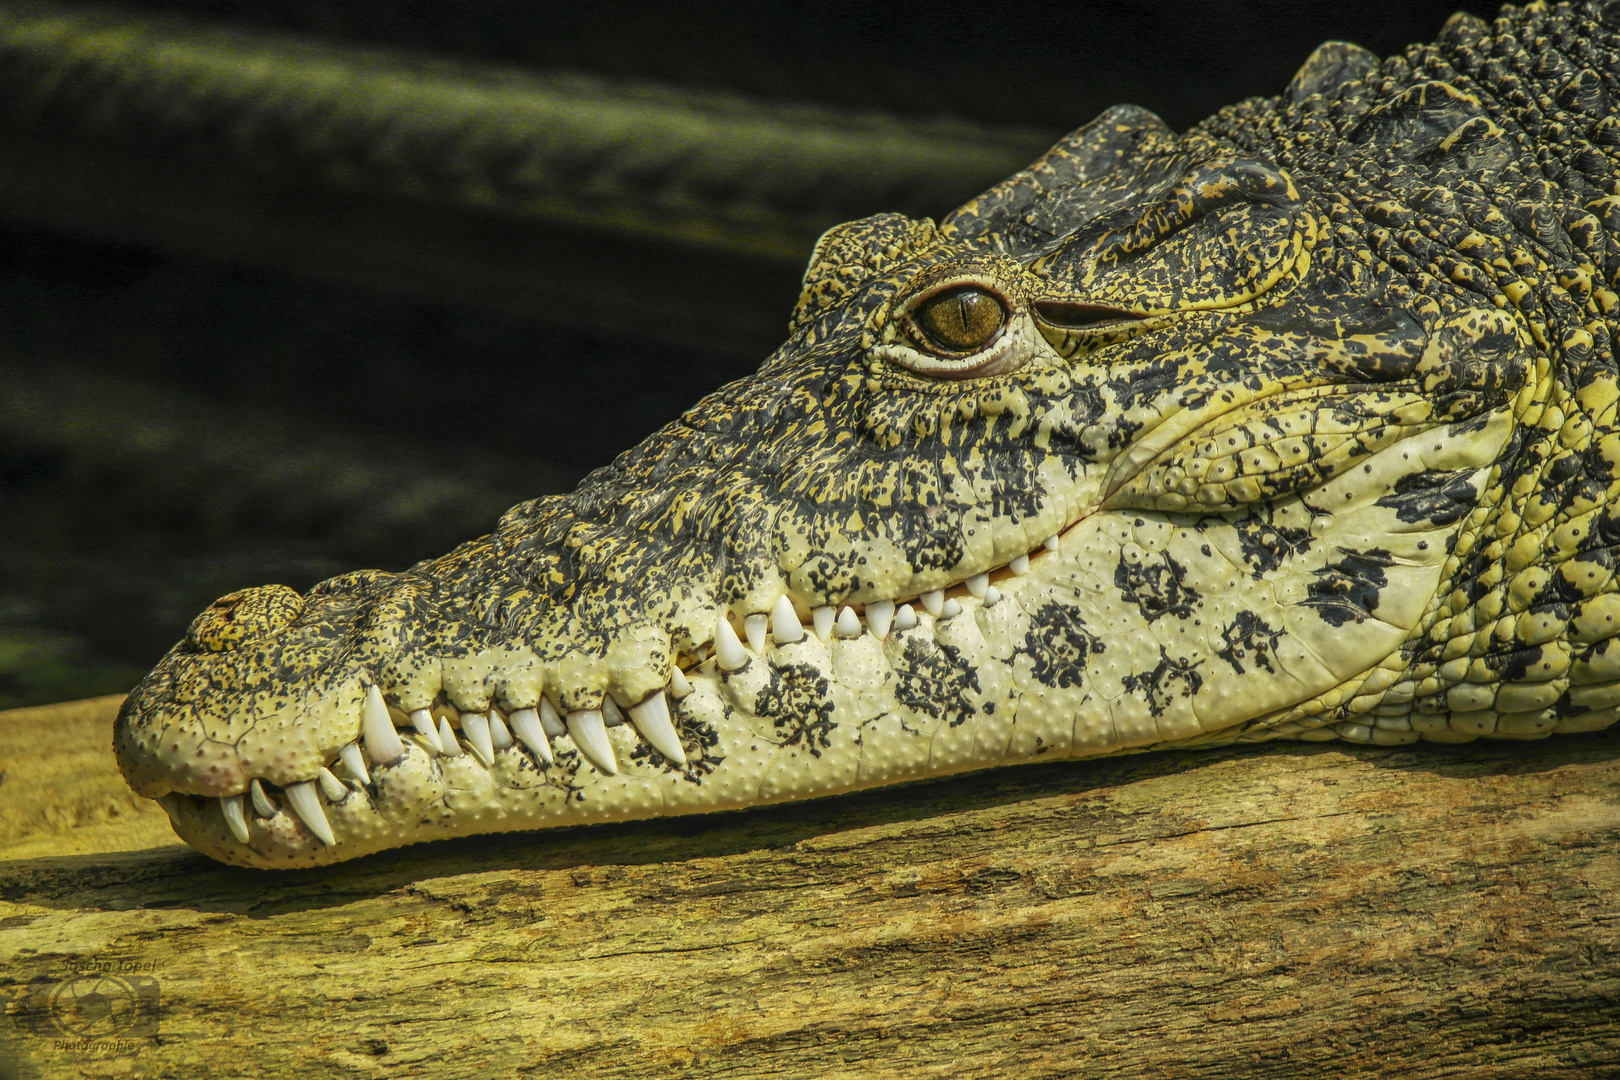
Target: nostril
{"points": [[242, 616]]}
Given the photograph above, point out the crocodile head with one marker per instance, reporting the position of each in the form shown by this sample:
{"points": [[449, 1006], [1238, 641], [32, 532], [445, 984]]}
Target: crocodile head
{"points": [[1139, 448]]}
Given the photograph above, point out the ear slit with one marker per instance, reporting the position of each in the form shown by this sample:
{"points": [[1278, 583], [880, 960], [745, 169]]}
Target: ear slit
{"points": [[1067, 316]]}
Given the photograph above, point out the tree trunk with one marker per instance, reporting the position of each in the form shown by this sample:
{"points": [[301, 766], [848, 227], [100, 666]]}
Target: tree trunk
{"points": [[1281, 911]]}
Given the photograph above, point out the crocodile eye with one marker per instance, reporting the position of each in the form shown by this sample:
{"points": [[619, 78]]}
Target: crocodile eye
{"points": [[961, 320]]}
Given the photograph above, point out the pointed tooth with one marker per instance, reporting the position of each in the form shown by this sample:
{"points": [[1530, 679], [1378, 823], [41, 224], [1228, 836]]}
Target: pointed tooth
{"points": [[336, 790], [879, 616], [1020, 565], [475, 726], [231, 805], [307, 805], [651, 718], [823, 618], [991, 595], [950, 609], [849, 624], [905, 618], [499, 737], [550, 721], [526, 726], [612, 715], [350, 756], [933, 601], [785, 625], [678, 686], [382, 741], [590, 735], [261, 802], [977, 584], [447, 739], [1050, 543], [754, 628], [422, 720], [726, 646]]}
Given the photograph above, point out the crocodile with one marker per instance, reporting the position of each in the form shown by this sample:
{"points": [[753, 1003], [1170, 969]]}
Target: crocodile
{"points": [[1300, 424]]}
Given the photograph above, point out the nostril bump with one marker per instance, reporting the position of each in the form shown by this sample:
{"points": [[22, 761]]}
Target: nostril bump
{"points": [[243, 616]]}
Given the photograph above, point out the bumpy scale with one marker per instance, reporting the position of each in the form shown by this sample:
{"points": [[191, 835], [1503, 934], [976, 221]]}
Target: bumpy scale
{"points": [[1299, 425]]}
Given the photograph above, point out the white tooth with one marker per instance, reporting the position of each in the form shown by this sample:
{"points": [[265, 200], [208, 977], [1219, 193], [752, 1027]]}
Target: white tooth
{"points": [[499, 737], [550, 722], [950, 609], [849, 624], [307, 805], [905, 618], [590, 735], [879, 616], [932, 601], [754, 627], [1050, 543], [612, 716], [526, 726], [232, 806], [678, 686], [336, 790], [422, 720], [977, 584], [823, 618], [382, 741], [991, 595], [1020, 565], [447, 739], [475, 726], [350, 756], [726, 647], [261, 802], [652, 720], [785, 625]]}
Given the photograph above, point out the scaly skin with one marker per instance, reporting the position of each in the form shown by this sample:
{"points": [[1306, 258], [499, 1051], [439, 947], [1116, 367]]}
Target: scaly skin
{"points": [[1316, 402]]}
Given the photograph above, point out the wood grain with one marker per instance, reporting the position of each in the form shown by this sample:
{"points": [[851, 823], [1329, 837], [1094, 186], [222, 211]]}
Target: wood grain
{"points": [[1283, 911]]}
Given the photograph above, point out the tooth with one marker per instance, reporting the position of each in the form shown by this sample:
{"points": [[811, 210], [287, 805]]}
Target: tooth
{"points": [[590, 735], [785, 625], [526, 726], [932, 601], [678, 686], [991, 595], [950, 609], [1020, 565], [382, 741], [350, 756], [1050, 543], [447, 739], [726, 647], [879, 616], [905, 618], [977, 584], [232, 806], [652, 720], [261, 802], [848, 624], [550, 722], [612, 715], [822, 618], [336, 790], [307, 805], [422, 720], [499, 737], [475, 726], [754, 627]]}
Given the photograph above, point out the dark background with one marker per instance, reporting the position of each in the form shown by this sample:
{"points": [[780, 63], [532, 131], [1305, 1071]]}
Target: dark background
{"points": [[173, 427]]}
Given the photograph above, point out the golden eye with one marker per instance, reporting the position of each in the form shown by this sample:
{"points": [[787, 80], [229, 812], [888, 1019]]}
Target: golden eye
{"points": [[961, 320]]}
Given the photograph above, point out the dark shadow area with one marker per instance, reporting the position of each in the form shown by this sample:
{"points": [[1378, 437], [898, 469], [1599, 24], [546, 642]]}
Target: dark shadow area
{"points": [[182, 878]]}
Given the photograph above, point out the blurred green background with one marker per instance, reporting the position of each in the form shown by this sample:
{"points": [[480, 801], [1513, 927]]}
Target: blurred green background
{"points": [[291, 289]]}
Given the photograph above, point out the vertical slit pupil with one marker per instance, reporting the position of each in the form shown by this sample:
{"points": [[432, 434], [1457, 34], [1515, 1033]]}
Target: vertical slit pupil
{"points": [[961, 319]]}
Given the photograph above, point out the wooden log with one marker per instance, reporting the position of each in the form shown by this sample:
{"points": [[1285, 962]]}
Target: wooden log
{"points": [[1279, 911]]}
